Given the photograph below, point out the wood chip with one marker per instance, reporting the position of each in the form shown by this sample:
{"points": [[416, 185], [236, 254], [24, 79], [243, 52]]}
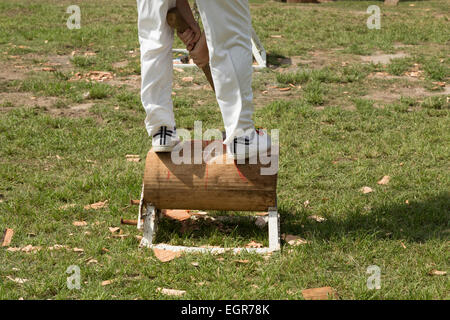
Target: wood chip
{"points": [[29, 248], [97, 205], [198, 213], [58, 247], [79, 223], [7, 237], [135, 202], [78, 250], [133, 158], [384, 180], [435, 272], [293, 240], [439, 83], [284, 89], [242, 261], [114, 230], [171, 292], [187, 79], [366, 190], [98, 76], [166, 255], [108, 282], [323, 293], [317, 218], [254, 244], [179, 215]]}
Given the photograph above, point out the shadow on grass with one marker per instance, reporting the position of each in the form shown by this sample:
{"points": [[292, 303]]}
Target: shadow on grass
{"points": [[210, 232], [276, 60], [416, 221]]}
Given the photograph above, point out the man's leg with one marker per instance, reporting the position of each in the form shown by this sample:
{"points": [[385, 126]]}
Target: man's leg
{"points": [[228, 33], [156, 38]]}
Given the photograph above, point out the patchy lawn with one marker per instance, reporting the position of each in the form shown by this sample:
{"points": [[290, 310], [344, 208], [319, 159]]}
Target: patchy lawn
{"points": [[352, 105]]}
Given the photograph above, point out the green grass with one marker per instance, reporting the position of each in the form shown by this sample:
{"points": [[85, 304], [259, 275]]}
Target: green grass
{"points": [[334, 138]]}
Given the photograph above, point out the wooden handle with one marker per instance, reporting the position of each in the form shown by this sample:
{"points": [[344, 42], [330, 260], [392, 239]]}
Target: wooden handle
{"points": [[176, 21]]}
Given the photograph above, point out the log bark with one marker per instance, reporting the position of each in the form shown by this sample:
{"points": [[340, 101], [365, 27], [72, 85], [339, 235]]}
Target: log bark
{"points": [[207, 186]]}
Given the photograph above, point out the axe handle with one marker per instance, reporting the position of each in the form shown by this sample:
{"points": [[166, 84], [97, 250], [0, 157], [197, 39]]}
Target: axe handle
{"points": [[176, 21]]}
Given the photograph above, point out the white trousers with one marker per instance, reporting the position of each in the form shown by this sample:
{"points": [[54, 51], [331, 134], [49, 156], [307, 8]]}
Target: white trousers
{"points": [[227, 26]]}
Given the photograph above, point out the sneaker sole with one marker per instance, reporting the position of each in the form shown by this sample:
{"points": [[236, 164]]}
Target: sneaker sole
{"points": [[163, 148], [247, 155]]}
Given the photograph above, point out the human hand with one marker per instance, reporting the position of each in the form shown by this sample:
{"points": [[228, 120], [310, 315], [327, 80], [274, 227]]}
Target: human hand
{"points": [[189, 38], [200, 53]]}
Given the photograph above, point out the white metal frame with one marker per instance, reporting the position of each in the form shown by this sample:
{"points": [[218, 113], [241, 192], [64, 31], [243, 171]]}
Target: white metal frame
{"points": [[150, 225], [257, 48]]}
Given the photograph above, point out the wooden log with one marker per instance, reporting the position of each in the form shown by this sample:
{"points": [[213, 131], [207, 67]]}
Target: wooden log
{"points": [[207, 186]]}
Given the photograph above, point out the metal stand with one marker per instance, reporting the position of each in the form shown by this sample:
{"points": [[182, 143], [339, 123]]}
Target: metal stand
{"points": [[152, 215]]}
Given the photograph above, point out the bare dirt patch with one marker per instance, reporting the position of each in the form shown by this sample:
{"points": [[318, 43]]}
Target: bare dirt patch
{"points": [[315, 60], [13, 71], [10, 100], [394, 94], [62, 63], [383, 58], [262, 98], [76, 111], [133, 82]]}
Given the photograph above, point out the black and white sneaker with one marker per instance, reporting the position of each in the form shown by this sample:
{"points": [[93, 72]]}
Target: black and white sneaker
{"points": [[248, 146], [164, 140]]}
